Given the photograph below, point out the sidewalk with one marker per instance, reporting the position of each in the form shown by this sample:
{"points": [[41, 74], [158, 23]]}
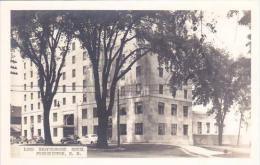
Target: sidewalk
{"points": [[198, 151]]}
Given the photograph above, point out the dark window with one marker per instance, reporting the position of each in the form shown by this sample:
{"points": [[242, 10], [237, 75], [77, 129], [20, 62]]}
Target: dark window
{"points": [[55, 103], [39, 132], [39, 118], [24, 107], [174, 110], [123, 129], [84, 70], [138, 71], [123, 111], [39, 95], [139, 128], [84, 98], [138, 108], [160, 89], [25, 120], [138, 88], [95, 129], [161, 128], [64, 101], [84, 55], [31, 119], [84, 130], [73, 99], [84, 84], [185, 129], [63, 75], [73, 72], [173, 129], [31, 96], [160, 108], [73, 46], [185, 111], [31, 106], [24, 97], [95, 113], [24, 65], [185, 93], [24, 86], [73, 59], [31, 73], [55, 132], [160, 72], [25, 133], [24, 76], [84, 113], [39, 105], [73, 86], [199, 126], [208, 127], [31, 84], [55, 117], [64, 88]]}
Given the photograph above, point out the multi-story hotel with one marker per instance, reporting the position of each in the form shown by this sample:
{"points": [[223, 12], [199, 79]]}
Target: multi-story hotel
{"points": [[148, 111]]}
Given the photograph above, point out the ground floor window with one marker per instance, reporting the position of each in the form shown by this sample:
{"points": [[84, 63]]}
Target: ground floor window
{"points": [[39, 132], [185, 129], [161, 128], [123, 129], [173, 129], [84, 130], [139, 128]]}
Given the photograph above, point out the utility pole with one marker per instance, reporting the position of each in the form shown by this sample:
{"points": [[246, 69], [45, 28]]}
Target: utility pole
{"points": [[118, 119]]}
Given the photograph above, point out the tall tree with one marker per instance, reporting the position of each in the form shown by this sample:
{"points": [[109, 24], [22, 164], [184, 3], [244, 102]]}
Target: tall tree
{"points": [[44, 37], [115, 41]]}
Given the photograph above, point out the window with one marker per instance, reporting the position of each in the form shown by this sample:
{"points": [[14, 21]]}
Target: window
{"points": [[160, 89], [39, 105], [199, 127], [122, 90], [185, 93], [63, 88], [73, 72], [161, 128], [39, 94], [73, 59], [139, 128], [84, 70], [73, 86], [55, 132], [185, 129], [25, 120], [24, 97], [84, 113], [160, 108], [73, 46], [84, 97], [64, 101], [63, 75], [24, 65], [84, 55], [31, 84], [31, 119], [123, 129], [24, 87], [24, 76], [95, 129], [173, 129], [73, 99], [39, 118], [174, 110], [208, 127], [55, 117], [123, 111], [25, 133], [31, 96], [84, 84], [31, 63], [31, 73], [95, 114], [138, 108], [160, 72], [138, 88], [84, 130], [39, 132], [55, 102], [185, 111], [138, 71], [31, 106], [24, 107]]}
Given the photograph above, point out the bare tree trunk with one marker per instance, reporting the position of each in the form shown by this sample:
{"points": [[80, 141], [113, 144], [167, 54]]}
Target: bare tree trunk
{"points": [[46, 124], [220, 133], [102, 128], [238, 135]]}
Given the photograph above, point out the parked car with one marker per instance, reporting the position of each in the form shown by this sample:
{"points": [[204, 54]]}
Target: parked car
{"points": [[23, 140], [36, 140], [70, 139], [88, 139]]}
